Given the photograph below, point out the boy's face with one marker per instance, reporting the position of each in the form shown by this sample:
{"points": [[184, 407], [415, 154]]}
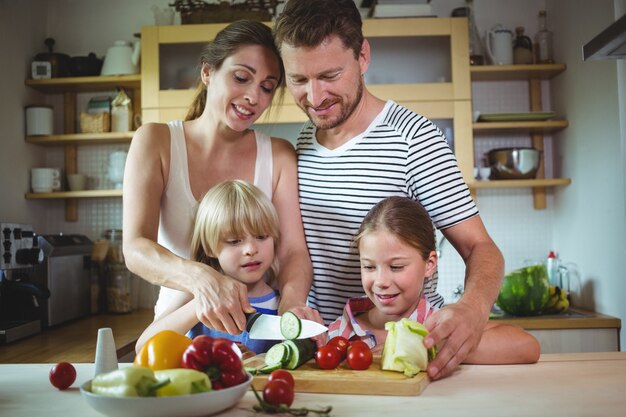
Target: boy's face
{"points": [[243, 87], [326, 81], [392, 273], [246, 258]]}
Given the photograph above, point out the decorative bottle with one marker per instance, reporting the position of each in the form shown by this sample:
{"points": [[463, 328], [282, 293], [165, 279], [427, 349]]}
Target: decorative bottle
{"points": [[543, 41], [477, 54], [522, 48]]}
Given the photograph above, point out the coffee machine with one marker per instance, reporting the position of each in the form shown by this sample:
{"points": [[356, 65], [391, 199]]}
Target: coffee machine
{"points": [[21, 298]]}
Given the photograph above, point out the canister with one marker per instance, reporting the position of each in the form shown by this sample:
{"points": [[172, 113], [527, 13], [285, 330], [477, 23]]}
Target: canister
{"points": [[39, 120]]}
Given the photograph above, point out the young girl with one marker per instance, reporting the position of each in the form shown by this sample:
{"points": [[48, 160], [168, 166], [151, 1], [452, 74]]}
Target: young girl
{"points": [[236, 231], [396, 244]]}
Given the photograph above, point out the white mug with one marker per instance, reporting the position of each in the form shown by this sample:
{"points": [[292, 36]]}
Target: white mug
{"points": [[44, 180], [499, 44]]}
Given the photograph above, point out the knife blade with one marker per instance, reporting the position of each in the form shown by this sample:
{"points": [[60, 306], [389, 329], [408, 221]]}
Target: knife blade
{"points": [[267, 327]]}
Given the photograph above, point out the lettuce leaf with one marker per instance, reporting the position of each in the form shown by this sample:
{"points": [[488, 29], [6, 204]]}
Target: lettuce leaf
{"points": [[404, 349]]}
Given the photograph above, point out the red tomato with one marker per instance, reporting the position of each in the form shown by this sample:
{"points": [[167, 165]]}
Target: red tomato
{"points": [[327, 357], [358, 344], [359, 358], [62, 375], [341, 343], [283, 375], [278, 392]]}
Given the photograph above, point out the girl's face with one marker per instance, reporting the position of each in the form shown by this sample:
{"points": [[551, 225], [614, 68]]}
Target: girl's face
{"points": [[393, 272], [243, 88], [246, 258]]}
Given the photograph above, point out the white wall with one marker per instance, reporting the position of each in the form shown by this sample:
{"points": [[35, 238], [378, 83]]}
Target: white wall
{"points": [[589, 220]]}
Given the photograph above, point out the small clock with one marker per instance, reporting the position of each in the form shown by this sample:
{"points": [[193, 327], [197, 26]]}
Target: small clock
{"points": [[41, 70]]}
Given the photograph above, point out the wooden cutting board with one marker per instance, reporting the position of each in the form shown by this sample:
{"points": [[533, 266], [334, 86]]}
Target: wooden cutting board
{"points": [[343, 380]]}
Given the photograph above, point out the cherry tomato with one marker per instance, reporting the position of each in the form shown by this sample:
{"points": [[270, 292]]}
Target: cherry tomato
{"points": [[358, 344], [278, 392], [359, 358], [327, 357], [341, 343], [283, 375], [62, 375]]}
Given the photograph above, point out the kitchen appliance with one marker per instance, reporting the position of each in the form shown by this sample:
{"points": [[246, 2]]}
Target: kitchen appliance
{"points": [[608, 44], [81, 66], [65, 272], [514, 163], [20, 297], [59, 63]]}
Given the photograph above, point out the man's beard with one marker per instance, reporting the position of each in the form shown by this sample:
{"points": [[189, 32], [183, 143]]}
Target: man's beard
{"points": [[348, 108]]}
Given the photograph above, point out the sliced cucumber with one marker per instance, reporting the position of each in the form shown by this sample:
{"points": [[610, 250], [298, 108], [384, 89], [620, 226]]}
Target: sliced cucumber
{"points": [[290, 326], [302, 351], [278, 353], [270, 368]]}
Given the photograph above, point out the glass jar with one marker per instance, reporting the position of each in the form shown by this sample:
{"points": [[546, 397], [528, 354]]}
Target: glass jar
{"points": [[118, 289], [119, 278], [476, 48]]}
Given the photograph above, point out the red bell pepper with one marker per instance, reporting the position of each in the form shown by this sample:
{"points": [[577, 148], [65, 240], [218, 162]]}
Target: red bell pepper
{"points": [[217, 358]]}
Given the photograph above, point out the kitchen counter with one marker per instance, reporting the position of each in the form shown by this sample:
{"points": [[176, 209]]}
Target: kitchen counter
{"points": [[559, 385], [76, 341], [575, 330]]}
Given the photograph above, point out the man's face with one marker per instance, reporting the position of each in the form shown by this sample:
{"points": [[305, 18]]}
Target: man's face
{"points": [[325, 80]]}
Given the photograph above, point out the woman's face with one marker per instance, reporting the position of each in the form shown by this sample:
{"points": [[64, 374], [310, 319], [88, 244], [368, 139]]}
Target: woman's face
{"points": [[393, 272], [243, 87]]}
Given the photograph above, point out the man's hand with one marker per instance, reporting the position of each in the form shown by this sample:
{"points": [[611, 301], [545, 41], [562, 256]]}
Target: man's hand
{"points": [[456, 330], [221, 303]]}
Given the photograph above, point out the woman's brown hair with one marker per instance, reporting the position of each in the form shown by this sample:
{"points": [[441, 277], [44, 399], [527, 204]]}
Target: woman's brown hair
{"points": [[226, 43]]}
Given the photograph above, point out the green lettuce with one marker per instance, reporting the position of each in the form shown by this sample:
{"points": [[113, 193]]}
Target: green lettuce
{"points": [[404, 349]]}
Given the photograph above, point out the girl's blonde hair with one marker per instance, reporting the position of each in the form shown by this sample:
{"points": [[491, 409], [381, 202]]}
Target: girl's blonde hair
{"points": [[404, 218], [233, 208]]}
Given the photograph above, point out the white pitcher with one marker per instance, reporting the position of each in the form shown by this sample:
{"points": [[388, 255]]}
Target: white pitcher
{"points": [[499, 44], [122, 58]]}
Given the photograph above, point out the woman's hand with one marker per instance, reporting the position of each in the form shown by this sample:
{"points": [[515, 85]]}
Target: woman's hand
{"points": [[220, 301]]}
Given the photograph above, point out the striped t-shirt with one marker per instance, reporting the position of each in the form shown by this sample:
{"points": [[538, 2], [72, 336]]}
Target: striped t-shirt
{"points": [[400, 154]]}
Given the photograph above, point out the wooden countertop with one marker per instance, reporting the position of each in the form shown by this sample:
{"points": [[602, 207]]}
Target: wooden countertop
{"points": [[574, 318], [76, 341], [559, 385]]}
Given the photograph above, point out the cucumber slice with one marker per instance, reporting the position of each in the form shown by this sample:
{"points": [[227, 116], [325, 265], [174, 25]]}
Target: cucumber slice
{"points": [[290, 326], [302, 351], [270, 368], [278, 353]]}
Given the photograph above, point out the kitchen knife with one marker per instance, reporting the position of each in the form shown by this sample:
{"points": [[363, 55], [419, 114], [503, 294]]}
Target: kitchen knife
{"points": [[267, 327]]}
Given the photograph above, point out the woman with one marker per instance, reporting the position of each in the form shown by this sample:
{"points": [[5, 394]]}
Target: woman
{"points": [[171, 166]]}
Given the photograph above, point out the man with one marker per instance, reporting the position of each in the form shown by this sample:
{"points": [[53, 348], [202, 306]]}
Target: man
{"points": [[357, 149]]}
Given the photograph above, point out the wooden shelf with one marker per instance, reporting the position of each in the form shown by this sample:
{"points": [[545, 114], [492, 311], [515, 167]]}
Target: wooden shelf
{"points": [[515, 72], [528, 127], [81, 138], [62, 195], [545, 182], [85, 84]]}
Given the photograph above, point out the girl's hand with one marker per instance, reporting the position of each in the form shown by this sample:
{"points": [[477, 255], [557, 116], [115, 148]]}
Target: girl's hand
{"points": [[221, 302]]}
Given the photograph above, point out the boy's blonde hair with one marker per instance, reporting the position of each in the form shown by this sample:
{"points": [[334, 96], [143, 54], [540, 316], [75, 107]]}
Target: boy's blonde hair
{"points": [[232, 208]]}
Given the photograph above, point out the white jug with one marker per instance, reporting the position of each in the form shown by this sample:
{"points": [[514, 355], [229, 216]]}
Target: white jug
{"points": [[121, 59], [500, 45]]}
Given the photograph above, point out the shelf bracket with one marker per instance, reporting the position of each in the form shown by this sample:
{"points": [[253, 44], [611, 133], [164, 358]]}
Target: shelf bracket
{"points": [[539, 193]]}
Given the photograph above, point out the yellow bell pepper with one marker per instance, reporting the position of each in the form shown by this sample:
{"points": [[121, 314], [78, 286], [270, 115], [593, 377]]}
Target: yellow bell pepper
{"points": [[164, 350]]}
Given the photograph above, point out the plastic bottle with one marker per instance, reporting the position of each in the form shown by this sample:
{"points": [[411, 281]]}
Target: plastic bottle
{"points": [[552, 266], [543, 41], [522, 48]]}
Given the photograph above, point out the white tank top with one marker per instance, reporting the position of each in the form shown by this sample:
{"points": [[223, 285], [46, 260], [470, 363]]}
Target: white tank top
{"points": [[178, 205]]}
